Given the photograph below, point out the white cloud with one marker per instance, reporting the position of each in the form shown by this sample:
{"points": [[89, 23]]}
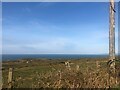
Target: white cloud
{"points": [[58, 45], [45, 38]]}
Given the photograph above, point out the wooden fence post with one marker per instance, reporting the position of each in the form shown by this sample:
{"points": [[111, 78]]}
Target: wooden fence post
{"points": [[10, 76]]}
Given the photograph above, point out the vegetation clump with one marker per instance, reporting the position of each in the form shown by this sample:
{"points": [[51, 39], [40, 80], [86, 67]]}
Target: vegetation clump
{"points": [[82, 73]]}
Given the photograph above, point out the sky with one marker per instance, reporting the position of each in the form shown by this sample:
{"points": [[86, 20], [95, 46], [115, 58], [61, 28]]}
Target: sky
{"points": [[56, 28]]}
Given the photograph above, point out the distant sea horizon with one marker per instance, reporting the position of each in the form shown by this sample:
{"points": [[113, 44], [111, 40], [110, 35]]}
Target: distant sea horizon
{"points": [[6, 57]]}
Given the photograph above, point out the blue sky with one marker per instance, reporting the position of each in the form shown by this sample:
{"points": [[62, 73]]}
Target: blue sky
{"points": [[56, 28]]}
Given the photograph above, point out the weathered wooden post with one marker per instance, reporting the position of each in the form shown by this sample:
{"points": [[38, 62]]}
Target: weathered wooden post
{"points": [[112, 31], [112, 37], [10, 76], [77, 67]]}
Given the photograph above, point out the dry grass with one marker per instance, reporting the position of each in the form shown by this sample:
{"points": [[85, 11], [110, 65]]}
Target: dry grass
{"points": [[55, 74]]}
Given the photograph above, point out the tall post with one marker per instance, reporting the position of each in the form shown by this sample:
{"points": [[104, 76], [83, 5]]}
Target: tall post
{"points": [[112, 39], [112, 33]]}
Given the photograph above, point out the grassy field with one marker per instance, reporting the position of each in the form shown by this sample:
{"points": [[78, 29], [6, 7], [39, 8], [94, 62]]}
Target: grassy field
{"points": [[51, 73]]}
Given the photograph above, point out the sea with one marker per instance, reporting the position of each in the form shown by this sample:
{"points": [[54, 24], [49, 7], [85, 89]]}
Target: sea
{"points": [[7, 57]]}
